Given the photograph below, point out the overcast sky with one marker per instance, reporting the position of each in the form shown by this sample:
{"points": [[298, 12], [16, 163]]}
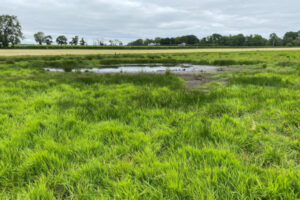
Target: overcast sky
{"points": [[128, 20]]}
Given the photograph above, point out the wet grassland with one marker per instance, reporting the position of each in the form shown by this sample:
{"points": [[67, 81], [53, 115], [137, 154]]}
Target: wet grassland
{"points": [[230, 134]]}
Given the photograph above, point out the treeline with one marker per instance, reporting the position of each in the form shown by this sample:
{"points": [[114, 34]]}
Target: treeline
{"points": [[289, 39], [41, 38], [11, 35], [54, 46]]}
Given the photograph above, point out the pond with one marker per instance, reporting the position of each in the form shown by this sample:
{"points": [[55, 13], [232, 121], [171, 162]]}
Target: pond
{"points": [[157, 68]]}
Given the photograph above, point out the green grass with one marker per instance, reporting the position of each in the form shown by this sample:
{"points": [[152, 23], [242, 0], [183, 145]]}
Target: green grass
{"points": [[147, 136]]}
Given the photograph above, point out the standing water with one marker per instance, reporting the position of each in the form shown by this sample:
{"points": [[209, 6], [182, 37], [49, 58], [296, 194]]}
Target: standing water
{"points": [[143, 68]]}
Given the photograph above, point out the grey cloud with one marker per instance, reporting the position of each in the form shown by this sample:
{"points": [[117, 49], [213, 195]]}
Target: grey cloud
{"points": [[130, 19]]}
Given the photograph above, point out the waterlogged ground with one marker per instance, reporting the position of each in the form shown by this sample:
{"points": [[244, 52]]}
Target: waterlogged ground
{"points": [[147, 136]]}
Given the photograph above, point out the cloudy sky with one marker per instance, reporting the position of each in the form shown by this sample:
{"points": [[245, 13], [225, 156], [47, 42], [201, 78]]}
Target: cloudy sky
{"points": [[131, 19]]}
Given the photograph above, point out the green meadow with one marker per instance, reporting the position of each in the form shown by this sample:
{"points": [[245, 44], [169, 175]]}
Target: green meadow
{"points": [[80, 136]]}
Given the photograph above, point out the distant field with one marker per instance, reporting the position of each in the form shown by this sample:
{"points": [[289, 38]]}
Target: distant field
{"points": [[22, 52]]}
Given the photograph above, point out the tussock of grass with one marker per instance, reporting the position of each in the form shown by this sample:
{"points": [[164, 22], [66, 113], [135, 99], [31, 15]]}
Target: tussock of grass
{"points": [[146, 136]]}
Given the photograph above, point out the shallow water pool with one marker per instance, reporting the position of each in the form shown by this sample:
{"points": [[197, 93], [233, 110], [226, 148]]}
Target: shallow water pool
{"points": [[183, 68]]}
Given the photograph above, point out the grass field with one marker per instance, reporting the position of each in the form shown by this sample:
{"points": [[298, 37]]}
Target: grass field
{"points": [[149, 136], [20, 52]]}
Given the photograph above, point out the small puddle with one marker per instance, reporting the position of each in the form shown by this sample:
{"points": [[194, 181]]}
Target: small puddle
{"points": [[184, 68]]}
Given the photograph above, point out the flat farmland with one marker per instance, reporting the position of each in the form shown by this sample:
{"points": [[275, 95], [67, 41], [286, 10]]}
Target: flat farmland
{"points": [[42, 52], [229, 134]]}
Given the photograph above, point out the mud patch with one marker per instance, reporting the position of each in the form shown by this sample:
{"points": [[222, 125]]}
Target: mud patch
{"points": [[198, 81]]}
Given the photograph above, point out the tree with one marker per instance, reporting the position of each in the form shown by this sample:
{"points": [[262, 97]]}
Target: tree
{"points": [[118, 42], [274, 40], [148, 41], [39, 37], [273, 37], [10, 31], [188, 39], [111, 43], [115, 42], [99, 42], [61, 40], [136, 42], [238, 40], [297, 41], [215, 39], [74, 40], [179, 40], [192, 39], [48, 39], [255, 40], [82, 42], [290, 37], [167, 41], [203, 41]]}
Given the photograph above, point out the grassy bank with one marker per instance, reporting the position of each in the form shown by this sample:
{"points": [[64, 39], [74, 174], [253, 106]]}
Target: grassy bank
{"points": [[147, 136]]}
